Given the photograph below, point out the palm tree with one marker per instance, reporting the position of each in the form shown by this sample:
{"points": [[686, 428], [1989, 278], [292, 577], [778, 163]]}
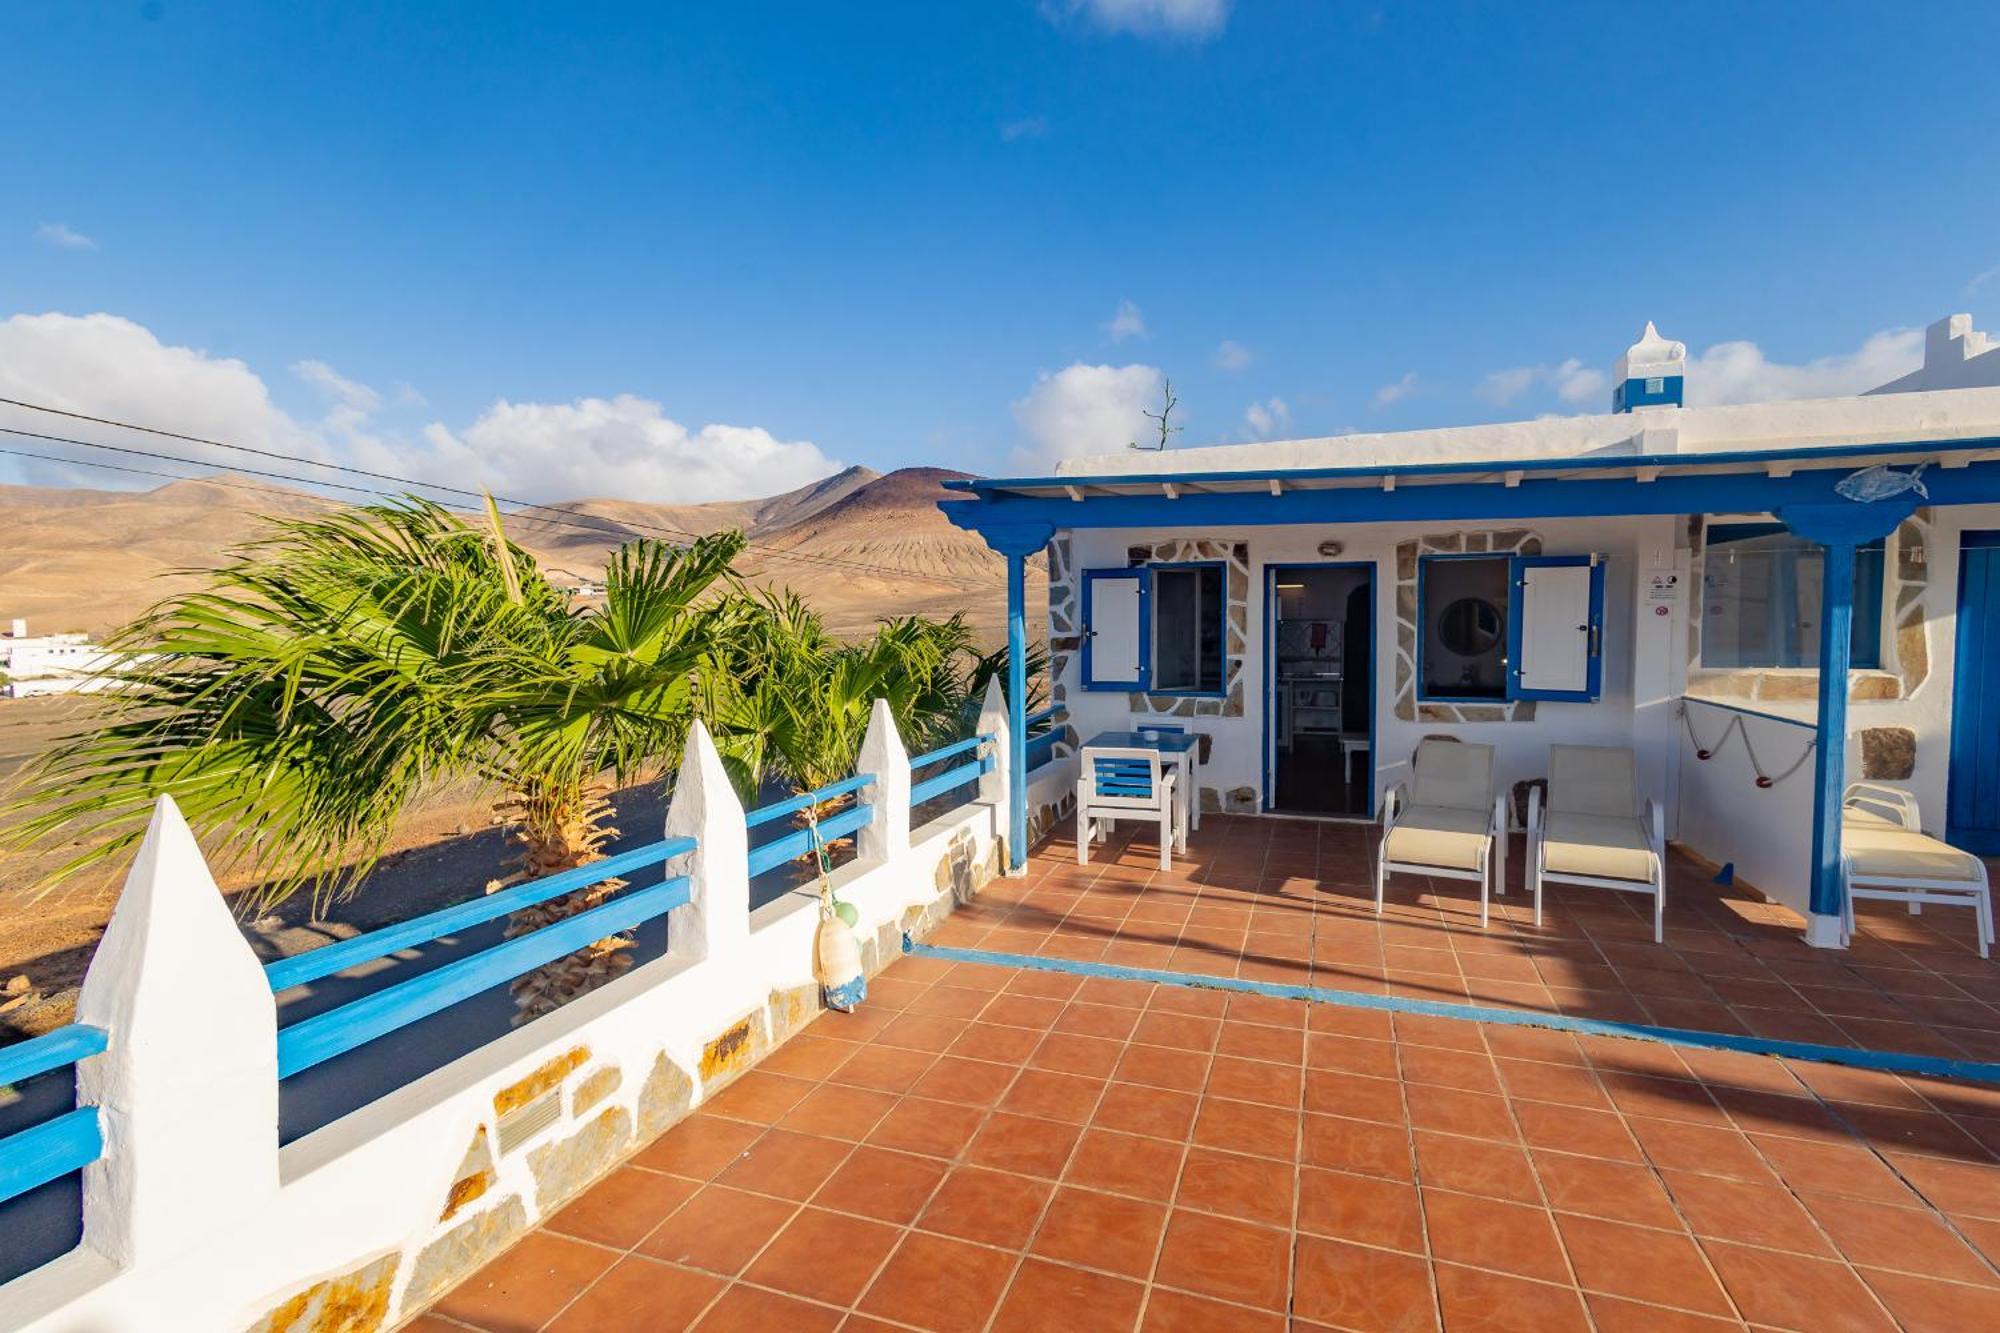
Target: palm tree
{"points": [[344, 665]]}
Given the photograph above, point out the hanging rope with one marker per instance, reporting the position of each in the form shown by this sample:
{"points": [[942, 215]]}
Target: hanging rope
{"points": [[1764, 780]]}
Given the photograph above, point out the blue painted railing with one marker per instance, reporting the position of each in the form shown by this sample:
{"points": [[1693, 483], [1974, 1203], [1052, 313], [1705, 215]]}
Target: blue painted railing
{"points": [[317, 1039], [764, 814], [1042, 747], [323, 1036], [69, 1142], [954, 777], [324, 962], [798, 843]]}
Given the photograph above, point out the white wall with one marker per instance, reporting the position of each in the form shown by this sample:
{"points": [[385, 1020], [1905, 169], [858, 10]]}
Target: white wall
{"points": [[365, 1215], [1642, 669]]}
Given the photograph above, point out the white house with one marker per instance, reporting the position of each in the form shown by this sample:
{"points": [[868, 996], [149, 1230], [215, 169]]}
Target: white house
{"points": [[1655, 576], [48, 663]]}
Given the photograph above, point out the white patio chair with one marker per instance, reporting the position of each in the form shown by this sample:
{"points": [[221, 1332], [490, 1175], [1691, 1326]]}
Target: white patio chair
{"points": [[1115, 784], [1588, 834], [1886, 855], [1447, 823]]}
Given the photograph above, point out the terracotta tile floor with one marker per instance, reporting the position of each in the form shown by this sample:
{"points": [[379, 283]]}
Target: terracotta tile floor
{"points": [[986, 1148]]}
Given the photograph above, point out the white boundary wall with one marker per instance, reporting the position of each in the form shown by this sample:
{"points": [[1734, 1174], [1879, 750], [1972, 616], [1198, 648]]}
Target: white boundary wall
{"points": [[375, 1215]]}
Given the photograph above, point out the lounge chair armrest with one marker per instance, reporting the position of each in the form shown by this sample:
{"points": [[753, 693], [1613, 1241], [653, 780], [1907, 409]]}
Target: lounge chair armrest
{"points": [[1892, 802], [1655, 820], [1534, 810], [1393, 802]]}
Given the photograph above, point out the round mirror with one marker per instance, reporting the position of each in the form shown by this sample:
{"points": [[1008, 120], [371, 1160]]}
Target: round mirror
{"points": [[1470, 626]]}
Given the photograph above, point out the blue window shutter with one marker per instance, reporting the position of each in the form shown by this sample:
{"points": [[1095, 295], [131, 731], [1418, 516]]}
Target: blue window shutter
{"points": [[1117, 629], [1555, 650]]}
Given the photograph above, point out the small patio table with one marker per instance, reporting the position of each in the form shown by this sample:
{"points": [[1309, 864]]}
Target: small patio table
{"points": [[1175, 747]]}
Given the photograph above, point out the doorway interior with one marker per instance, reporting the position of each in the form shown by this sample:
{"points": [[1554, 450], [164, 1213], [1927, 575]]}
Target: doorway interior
{"points": [[1972, 794], [1319, 655]]}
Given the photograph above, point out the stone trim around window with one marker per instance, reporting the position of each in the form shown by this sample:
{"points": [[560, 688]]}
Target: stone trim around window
{"points": [[1906, 580], [1500, 541]]}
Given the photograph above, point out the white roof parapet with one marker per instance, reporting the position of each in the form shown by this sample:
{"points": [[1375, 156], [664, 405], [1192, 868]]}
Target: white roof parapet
{"points": [[1799, 424], [1956, 356]]}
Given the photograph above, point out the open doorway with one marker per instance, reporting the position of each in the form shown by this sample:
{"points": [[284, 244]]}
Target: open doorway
{"points": [[1319, 654]]}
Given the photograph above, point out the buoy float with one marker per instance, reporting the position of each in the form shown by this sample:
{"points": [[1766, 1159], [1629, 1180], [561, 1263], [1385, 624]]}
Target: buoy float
{"points": [[843, 985]]}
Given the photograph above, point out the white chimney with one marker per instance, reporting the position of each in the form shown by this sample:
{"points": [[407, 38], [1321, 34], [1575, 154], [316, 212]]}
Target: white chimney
{"points": [[1649, 374], [19, 630]]}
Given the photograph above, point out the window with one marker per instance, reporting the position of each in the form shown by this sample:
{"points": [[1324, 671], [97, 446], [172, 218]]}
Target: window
{"points": [[1187, 629], [1462, 652], [1761, 599], [1494, 628], [1158, 628]]}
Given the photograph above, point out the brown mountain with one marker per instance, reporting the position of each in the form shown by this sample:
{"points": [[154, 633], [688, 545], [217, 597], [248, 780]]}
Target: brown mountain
{"points": [[857, 546]]}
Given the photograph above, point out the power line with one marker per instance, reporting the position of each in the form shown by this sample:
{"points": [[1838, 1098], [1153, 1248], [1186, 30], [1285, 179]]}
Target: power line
{"points": [[206, 481], [558, 515]]}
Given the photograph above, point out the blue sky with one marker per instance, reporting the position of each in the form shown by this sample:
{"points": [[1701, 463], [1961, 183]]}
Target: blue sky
{"points": [[678, 252]]}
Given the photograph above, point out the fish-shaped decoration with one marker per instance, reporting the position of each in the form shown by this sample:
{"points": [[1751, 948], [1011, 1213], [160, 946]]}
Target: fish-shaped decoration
{"points": [[1881, 482]]}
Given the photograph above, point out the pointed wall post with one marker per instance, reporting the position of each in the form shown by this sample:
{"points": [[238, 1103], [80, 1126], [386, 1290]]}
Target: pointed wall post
{"points": [[187, 1089], [997, 786], [887, 835], [716, 921]]}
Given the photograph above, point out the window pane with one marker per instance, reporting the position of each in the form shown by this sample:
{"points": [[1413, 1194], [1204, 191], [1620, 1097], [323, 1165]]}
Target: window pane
{"points": [[1462, 653], [1761, 596], [1187, 630]]}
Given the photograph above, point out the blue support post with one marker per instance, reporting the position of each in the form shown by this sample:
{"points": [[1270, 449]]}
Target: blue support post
{"points": [[1838, 528], [1017, 541], [1017, 710], [1836, 646]]}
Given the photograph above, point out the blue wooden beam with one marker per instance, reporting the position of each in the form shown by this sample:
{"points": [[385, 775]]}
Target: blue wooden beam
{"points": [[53, 1148], [323, 1036], [52, 1050], [332, 958], [997, 517]]}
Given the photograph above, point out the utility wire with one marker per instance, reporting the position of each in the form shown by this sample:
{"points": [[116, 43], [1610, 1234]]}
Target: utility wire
{"points": [[558, 515], [239, 486]]}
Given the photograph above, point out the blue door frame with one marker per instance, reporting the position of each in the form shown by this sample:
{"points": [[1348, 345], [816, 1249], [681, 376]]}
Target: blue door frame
{"points": [[1269, 778], [1972, 788]]}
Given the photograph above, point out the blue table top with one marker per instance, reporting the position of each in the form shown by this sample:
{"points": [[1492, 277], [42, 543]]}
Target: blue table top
{"points": [[1167, 742]]}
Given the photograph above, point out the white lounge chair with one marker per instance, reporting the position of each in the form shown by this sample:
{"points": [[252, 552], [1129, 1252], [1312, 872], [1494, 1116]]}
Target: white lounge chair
{"points": [[1447, 824], [1886, 855], [1116, 784], [1588, 834]]}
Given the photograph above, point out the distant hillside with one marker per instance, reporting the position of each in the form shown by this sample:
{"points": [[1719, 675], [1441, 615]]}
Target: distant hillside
{"points": [[857, 546]]}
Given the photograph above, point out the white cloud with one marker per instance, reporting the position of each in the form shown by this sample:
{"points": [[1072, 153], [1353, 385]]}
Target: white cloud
{"points": [[1571, 381], [1269, 419], [348, 393], [1197, 20], [1126, 322], [1083, 409], [1739, 372], [1577, 383], [109, 366], [1027, 127], [1232, 355], [1396, 390], [63, 237], [1504, 386], [625, 446], [1982, 279]]}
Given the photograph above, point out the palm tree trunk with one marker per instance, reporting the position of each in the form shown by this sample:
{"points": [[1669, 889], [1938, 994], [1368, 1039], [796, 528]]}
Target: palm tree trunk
{"points": [[558, 834]]}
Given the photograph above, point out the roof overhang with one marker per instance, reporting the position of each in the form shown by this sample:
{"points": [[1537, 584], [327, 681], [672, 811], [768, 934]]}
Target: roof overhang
{"points": [[1960, 471]]}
